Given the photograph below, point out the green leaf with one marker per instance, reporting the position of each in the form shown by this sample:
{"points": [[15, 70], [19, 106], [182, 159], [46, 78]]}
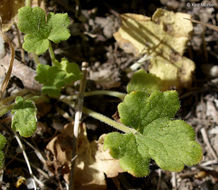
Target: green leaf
{"points": [[55, 77], [2, 144], [124, 148], [58, 24], [72, 71], [171, 143], [142, 81], [139, 109], [34, 44], [52, 79], [32, 21], [24, 117]]}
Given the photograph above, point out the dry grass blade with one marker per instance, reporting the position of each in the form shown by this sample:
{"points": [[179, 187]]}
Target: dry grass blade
{"points": [[8, 74], [211, 26]]}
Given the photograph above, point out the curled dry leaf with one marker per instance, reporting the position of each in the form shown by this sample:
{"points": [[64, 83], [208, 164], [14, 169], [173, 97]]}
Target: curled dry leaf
{"points": [[8, 12], [164, 38], [91, 164]]}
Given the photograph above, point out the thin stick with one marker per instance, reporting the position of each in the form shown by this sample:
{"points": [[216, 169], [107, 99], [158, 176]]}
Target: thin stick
{"points": [[206, 141], [26, 159], [37, 152], [8, 74], [204, 46], [173, 181], [77, 120], [159, 180], [213, 27], [79, 105], [19, 42], [139, 63], [208, 163]]}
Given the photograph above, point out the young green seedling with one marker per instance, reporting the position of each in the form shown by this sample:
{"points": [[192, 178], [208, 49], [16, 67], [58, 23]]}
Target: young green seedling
{"points": [[171, 143], [24, 117], [39, 32]]}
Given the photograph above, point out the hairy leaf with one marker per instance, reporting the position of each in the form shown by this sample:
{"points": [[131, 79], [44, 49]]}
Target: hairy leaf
{"points": [[58, 24], [171, 143], [24, 117], [55, 77], [72, 71], [2, 144], [139, 109], [142, 81], [32, 22]]}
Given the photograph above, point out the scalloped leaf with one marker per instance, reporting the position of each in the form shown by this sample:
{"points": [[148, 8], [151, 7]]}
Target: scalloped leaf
{"points": [[24, 117], [55, 77], [139, 109], [143, 81], [2, 145], [72, 70], [32, 22], [171, 143]]}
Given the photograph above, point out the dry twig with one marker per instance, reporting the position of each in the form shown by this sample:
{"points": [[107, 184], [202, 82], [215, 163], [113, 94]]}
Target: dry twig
{"points": [[77, 120], [207, 142]]}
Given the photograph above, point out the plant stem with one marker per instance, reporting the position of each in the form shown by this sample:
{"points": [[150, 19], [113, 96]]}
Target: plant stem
{"points": [[101, 117], [36, 99], [36, 59], [51, 53], [28, 3], [108, 121], [12, 97], [119, 95]]}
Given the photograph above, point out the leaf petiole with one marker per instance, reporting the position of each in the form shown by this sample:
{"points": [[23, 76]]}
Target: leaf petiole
{"points": [[119, 95], [51, 53], [107, 120], [28, 3]]}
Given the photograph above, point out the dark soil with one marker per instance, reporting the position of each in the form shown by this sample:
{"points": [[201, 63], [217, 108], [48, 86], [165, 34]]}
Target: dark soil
{"points": [[92, 41]]}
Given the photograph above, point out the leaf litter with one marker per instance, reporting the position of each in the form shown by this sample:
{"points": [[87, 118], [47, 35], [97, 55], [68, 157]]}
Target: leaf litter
{"points": [[92, 163], [197, 119]]}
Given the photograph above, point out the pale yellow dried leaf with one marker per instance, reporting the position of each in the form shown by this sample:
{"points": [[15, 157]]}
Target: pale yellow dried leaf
{"points": [[164, 38]]}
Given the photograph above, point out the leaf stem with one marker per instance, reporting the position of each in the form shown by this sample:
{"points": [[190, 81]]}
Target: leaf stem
{"points": [[101, 117], [108, 121], [36, 59], [119, 95], [51, 53], [36, 99], [28, 3]]}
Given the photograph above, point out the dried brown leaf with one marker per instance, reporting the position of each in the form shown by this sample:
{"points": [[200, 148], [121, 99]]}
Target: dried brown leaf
{"points": [[92, 161], [8, 12]]}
